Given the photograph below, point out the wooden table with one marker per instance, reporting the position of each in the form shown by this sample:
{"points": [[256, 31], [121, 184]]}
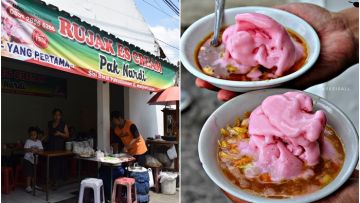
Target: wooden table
{"points": [[130, 159], [156, 171], [48, 155], [52, 154], [161, 141], [155, 142]]}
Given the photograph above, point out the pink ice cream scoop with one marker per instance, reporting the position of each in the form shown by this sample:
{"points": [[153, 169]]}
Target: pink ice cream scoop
{"points": [[284, 135], [256, 39]]}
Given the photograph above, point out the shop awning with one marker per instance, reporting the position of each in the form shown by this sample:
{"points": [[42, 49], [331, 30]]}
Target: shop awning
{"points": [[168, 96], [38, 33]]}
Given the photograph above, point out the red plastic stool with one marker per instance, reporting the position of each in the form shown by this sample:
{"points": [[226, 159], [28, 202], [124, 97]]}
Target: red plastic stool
{"points": [[20, 179], [124, 190], [7, 180]]}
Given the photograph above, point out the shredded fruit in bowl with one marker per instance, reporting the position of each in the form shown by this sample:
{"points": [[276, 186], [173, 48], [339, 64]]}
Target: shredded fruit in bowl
{"points": [[236, 165]]}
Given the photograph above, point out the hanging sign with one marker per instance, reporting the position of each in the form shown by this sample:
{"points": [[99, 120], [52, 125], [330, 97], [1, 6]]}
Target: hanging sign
{"points": [[38, 33], [23, 82]]}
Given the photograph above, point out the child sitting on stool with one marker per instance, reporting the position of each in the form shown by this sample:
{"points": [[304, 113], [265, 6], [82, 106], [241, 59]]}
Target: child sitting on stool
{"points": [[32, 145]]}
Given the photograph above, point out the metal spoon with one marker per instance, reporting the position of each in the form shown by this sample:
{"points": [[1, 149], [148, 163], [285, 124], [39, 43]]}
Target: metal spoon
{"points": [[219, 13]]}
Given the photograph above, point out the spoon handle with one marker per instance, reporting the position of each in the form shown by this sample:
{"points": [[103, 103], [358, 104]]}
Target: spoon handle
{"points": [[219, 13]]}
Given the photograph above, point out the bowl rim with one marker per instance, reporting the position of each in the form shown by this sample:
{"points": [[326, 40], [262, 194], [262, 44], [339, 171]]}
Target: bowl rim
{"points": [[195, 71], [319, 194]]}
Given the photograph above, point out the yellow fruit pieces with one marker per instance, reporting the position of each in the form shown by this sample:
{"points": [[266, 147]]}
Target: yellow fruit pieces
{"points": [[325, 179], [224, 132], [242, 161], [224, 155], [223, 144], [237, 122], [231, 69], [208, 70]]}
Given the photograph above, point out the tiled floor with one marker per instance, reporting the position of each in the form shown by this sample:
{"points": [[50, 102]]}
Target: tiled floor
{"points": [[63, 195], [20, 196], [161, 198]]}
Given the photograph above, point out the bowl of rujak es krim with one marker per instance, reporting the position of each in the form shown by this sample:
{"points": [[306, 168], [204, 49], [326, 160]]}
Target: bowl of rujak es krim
{"points": [[278, 145], [259, 48]]}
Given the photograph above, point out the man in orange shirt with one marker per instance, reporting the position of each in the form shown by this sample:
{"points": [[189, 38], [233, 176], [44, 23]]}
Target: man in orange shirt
{"points": [[125, 135]]}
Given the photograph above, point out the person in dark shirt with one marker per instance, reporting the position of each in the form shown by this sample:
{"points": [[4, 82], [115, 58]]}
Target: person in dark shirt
{"points": [[57, 134]]}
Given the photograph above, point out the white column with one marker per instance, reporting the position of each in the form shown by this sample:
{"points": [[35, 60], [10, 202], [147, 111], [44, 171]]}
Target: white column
{"points": [[103, 116], [146, 117]]}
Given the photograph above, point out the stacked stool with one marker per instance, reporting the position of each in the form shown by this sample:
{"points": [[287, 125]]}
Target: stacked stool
{"points": [[94, 184], [124, 190], [7, 180]]}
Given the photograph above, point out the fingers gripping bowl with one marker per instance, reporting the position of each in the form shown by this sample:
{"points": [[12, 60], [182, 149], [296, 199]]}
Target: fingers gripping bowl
{"points": [[250, 20], [227, 114]]}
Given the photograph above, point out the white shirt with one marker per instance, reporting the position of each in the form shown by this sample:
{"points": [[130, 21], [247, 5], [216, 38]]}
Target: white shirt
{"points": [[31, 144]]}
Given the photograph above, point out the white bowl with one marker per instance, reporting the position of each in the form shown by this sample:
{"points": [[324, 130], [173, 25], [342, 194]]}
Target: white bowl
{"points": [[201, 28], [230, 110]]}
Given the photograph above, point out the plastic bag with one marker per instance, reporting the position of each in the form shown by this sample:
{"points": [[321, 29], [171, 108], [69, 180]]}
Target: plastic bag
{"points": [[163, 159], [151, 178], [99, 154], [164, 176], [152, 162], [171, 152]]}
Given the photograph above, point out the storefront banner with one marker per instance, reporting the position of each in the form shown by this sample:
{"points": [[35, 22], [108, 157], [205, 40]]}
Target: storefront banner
{"points": [[38, 33], [22, 82]]}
